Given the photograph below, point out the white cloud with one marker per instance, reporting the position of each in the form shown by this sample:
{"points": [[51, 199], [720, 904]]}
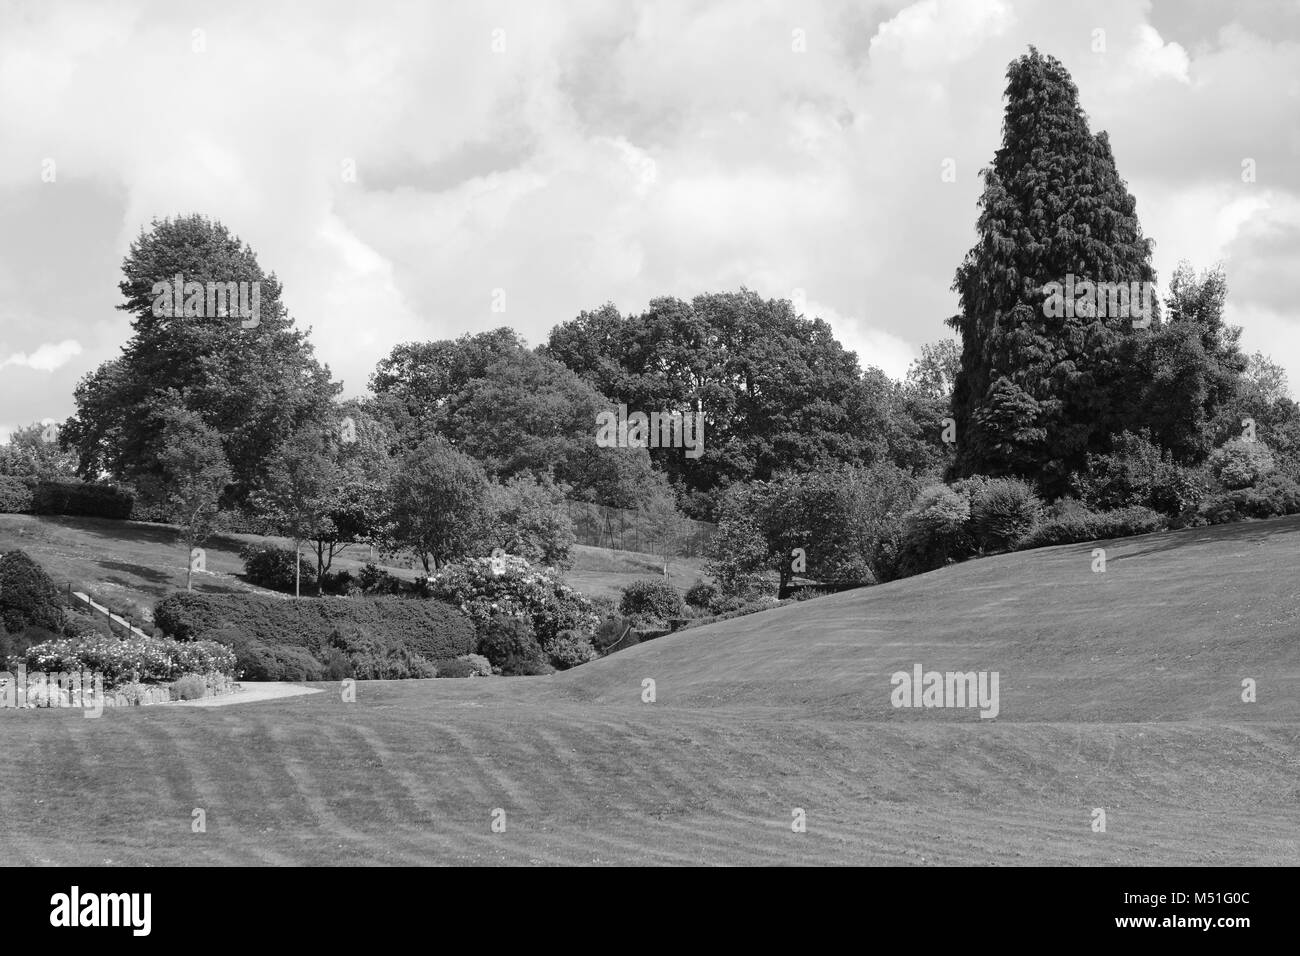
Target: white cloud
{"points": [[46, 358]]}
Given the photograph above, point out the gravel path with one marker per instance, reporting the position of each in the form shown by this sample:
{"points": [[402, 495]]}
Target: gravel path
{"points": [[251, 692]]}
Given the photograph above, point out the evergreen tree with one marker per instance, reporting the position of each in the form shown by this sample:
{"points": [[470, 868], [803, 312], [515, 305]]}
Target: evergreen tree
{"points": [[1038, 390]]}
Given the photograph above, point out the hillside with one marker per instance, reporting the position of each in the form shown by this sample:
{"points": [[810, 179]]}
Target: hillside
{"points": [[135, 563], [1118, 691]]}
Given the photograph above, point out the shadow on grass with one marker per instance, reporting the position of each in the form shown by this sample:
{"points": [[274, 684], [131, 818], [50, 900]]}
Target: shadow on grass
{"points": [[1246, 532]]}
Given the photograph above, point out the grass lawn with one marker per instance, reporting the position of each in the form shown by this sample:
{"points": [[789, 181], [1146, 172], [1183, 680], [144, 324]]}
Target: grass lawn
{"points": [[133, 564], [1118, 691]]}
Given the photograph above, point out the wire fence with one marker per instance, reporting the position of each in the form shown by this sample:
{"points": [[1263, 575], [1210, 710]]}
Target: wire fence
{"points": [[627, 529]]}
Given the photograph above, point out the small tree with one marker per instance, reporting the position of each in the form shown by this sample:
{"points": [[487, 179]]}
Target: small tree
{"points": [[196, 473], [300, 487], [441, 503]]}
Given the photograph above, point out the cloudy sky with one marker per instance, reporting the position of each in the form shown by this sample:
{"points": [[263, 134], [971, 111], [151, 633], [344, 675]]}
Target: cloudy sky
{"points": [[396, 164]]}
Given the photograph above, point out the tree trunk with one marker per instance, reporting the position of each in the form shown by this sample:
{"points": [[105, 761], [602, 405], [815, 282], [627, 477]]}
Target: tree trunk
{"points": [[297, 568]]}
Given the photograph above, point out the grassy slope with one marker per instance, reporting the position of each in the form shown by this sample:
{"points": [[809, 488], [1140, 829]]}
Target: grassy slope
{"points": [[134, 564], [1118, 690]]}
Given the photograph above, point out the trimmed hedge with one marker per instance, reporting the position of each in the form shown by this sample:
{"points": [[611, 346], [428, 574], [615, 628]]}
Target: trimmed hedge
{"points": [[652, 597], [276, 635], [68, 496], [15, 495]]}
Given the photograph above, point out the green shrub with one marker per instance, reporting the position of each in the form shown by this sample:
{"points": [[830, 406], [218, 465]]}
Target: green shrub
{"points": [[569, 649], [482, 589], [1082, 525], [455, 668], [1002, 511], [703, 595], [1139, 473], [935, 530], [189, 687], [654, 598], [258, 627], [373, 579], [509, 644], [1240, 464], [1274, 495], [482, 666], [373, 657], [68, 496], [27, 595], [15, 495], [273, 568]]}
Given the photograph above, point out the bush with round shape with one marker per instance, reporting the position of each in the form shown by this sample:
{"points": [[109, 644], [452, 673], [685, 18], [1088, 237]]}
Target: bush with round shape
{"points": [[509, 644], [703, 595], [482, 588], [1002, 511], [482, 666], [271, 567], [651, 598], [27, 595], [935, 529], [569, 649], [1240, 464], [455, 668]]}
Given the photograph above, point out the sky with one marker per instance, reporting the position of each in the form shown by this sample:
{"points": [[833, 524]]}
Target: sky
{"points": [[416, 171]]}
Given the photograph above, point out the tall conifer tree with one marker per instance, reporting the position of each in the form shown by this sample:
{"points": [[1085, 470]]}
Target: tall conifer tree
{"points": [[1036, 393]]}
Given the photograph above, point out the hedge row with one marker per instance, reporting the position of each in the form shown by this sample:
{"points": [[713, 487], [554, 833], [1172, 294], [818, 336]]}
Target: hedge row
{"points": [[64, 496], [277, 638]]}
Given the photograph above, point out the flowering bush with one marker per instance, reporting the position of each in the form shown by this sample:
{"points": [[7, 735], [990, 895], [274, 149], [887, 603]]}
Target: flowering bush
{"points": [[482, 587], [135, 660]]}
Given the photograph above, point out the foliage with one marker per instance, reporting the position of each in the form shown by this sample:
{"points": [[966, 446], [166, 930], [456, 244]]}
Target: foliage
{"points": [[250, 383], [1002, 511], [372, 656], [68, 496], [703, 595], [1082, 524], [272, 567], [132, 660], [935, 529], [483, 589], [828, 525], [776, 389], [1038, 389], [455, 668], [529, 520], [441, 504], [194, 473], [653, 597], [1137, 472], [189, 687], [33, 452], [1240, 464], [481, 665], [271, 634], [28, 597], [15, 495], [569, 649], [511, 646]]}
